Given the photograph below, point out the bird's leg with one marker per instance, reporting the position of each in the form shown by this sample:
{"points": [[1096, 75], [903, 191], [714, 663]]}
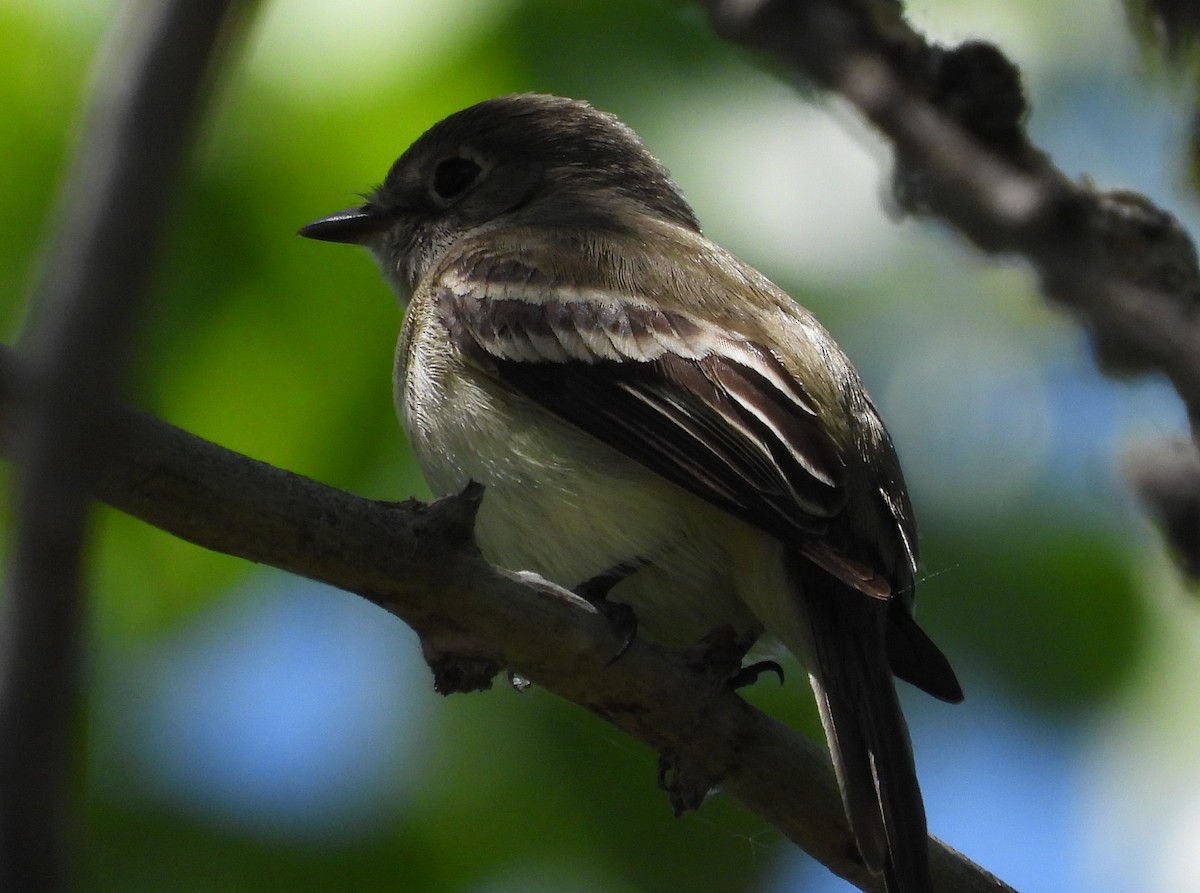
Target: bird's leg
{"points": [[596, 589], [721, 653], [719, 657]]}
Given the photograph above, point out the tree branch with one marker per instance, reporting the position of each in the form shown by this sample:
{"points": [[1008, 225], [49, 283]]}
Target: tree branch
{"points": [[1159, 472], [419, 562], [955, 116]]}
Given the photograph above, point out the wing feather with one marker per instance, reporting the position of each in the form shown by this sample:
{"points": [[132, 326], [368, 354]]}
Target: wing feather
{"points": [[717, 415]]}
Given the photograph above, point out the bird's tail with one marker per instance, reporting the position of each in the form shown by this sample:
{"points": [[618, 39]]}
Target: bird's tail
{"points": [[868, 738]]}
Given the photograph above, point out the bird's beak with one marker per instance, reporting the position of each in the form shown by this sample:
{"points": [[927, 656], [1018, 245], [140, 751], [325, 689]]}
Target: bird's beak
{"points": [[354, 226]]}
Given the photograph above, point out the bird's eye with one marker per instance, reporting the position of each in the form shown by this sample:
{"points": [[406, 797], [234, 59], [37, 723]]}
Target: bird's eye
{"points": [[453, 176]]}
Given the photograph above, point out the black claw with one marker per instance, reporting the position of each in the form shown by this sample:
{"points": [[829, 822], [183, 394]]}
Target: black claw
{"points": [[748, 675], [621, 616]]}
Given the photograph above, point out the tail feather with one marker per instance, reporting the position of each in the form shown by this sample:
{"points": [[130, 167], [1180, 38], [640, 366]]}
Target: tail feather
{"points": [[868, 738], [917, 660]]}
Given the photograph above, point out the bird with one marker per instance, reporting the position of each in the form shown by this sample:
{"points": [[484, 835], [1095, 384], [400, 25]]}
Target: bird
{"points": [[643, 407]]}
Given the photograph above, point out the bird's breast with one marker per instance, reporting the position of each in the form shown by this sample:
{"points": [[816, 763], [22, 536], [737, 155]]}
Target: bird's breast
{"points": [[564, 505]]}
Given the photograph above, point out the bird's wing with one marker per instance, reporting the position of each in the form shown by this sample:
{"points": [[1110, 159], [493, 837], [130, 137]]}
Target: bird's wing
{"points": [[713, 412]]}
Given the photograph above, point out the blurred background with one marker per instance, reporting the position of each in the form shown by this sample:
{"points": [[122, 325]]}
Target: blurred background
{"points": [[250, 731]]}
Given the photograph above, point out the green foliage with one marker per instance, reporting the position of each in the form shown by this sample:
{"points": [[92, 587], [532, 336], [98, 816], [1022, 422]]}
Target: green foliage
{"points": [[1052, 611]]}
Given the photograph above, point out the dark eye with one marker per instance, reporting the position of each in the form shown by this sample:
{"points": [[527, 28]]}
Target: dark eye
{"points": [[453, 176]]}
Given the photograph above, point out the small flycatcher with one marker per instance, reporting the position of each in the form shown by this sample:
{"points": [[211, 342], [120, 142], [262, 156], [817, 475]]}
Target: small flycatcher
{"points": [[633, 396]]}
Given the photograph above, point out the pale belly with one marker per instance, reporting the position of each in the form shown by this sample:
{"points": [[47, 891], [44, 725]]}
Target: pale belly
{"points": [[561, 504]]}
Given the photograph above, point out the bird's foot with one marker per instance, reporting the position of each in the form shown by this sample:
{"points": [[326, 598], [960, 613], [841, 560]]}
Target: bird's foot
{"points": [[595, 591], [459, 672], [720, 655], [684, 781]]}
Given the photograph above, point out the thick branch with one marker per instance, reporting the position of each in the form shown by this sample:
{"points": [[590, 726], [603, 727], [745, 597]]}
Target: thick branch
{"points": [[955, 117], [111, 211], [419, 563]]}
